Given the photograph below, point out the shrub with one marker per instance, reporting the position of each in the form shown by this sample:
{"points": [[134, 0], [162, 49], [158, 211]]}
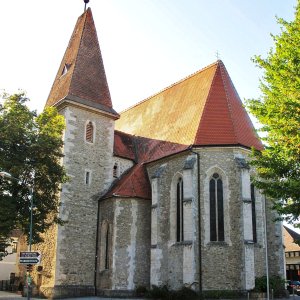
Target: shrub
{"points": [[276, 284]]}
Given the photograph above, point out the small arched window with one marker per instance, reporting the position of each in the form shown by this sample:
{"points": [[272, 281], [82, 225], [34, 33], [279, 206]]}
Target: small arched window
{"points": [[179, 211], [216, 208], [89, 132]]}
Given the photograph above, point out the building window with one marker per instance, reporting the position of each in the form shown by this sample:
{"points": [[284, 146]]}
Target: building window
{"points": [[116, 170], [89, 132], [87, 177], [253, 213], [216, 208], [179, 211], [105, 246], [106, 263]]}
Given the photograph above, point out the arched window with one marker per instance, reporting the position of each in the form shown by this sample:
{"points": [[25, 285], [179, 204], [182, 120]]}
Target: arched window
{"points": [[179, 211], [216, 208], [106, 263], [253, 213], [105, 246], [89, 132]]}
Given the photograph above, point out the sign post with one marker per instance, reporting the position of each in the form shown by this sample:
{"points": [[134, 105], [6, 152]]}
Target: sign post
{"points": [[30, 258]]}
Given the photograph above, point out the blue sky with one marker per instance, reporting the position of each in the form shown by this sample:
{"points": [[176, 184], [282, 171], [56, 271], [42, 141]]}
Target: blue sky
{"points": [[146, 44]]}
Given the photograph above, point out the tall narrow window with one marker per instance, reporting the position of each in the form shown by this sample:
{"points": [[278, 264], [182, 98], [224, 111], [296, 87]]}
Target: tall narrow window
{"points": [[89, 132], [116, 170], [253, 213], [216, 208], [179, 211], [87, 177], [107, 249]]}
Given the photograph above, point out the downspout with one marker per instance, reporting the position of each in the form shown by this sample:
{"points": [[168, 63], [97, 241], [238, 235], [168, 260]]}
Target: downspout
{"points": [[199, 220], [97, 248]]}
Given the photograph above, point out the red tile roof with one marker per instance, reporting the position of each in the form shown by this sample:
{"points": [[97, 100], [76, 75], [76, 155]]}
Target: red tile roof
{"points": [[224, 119], [135, 182], [203, 109], [85, 80]]}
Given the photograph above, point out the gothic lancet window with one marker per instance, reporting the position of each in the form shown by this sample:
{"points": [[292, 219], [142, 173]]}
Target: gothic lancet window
{"points": [[216, 208], [89, 132], [179, 211], [105, 246], [253, 213]]}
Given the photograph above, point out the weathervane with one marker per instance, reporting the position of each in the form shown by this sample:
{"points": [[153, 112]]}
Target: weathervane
{"points": [[217, 55], [85, 3]]}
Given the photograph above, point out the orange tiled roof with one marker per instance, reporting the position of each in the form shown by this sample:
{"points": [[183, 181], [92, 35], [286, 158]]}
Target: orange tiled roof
{"points": [[202, 109], [84, 81]]}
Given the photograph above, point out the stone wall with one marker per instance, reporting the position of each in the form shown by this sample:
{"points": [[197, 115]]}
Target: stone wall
{"points": [[129, 253], [75, 251], [233, 263], [173, 262]]}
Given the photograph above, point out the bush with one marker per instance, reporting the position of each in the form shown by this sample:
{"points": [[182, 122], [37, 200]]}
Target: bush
{"points": [[221, 294], [276, 284], [163, 292]]}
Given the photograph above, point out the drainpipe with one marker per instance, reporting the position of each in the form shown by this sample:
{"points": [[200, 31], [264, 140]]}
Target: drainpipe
{"points": [[199, 219], [97, 248]]}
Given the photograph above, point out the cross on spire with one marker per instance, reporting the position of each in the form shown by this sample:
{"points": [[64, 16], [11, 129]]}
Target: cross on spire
{"points": [[85, 3]]}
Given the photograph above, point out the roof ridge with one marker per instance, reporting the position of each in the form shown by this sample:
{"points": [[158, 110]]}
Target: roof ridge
{"points": [[81, 36], [170, 86], [223, 74], [205, 105]]}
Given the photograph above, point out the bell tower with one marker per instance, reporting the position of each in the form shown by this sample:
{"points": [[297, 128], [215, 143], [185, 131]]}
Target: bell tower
{"points": [[81, 94]]}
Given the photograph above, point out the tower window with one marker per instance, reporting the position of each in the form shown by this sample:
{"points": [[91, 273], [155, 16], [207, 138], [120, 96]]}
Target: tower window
{"points": [[65, 69], [89, 132], [216, 208], [179, 211], [87, 177]]}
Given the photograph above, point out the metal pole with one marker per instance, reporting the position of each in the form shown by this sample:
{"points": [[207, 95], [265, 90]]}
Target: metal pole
{"points": [[30, 241], [266, 252]]}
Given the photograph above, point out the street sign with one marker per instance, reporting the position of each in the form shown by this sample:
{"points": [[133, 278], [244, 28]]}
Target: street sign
{"points": [[28, 257]]}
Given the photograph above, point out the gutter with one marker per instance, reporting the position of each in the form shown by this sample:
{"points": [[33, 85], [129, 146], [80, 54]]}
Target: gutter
{"points": [[199, 219], [97, 248]]}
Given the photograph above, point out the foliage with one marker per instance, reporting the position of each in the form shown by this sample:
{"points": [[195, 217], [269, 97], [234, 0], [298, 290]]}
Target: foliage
{"points": [[276, 284], [278, 110], [222, 294], [30, 150], [163, 292]]}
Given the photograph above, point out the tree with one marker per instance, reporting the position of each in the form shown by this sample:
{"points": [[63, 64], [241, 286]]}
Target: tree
{"points": [[278, 110], [31, 151]]}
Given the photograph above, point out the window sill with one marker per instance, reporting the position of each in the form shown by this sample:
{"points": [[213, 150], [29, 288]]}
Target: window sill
{"points": [[183, 243], [216, 243]]}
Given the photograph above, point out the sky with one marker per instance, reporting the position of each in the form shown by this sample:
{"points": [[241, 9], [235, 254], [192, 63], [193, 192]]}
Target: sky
{"points": [[146, 44]]}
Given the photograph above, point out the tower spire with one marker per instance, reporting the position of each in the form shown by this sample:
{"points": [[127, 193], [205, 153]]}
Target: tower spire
{"points": [[85, 3]]}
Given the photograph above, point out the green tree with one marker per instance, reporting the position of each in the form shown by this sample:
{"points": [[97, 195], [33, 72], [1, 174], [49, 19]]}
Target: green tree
{"points": [[278, 110], [31, 151]]}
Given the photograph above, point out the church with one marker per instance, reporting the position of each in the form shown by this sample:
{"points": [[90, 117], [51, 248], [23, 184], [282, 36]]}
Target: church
{"points": [[159, 194]]}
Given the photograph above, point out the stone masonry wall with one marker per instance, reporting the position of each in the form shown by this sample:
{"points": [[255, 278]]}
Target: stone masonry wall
{"points": [[76, 240], [228, 262], [130, 251], [173, 263]]}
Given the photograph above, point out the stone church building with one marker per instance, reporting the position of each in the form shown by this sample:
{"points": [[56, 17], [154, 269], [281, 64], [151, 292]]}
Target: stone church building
{"points": [[159, 194]]}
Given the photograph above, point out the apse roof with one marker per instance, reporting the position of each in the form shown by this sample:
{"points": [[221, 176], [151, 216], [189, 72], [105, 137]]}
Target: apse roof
{"points": [[202, 109], [81, 76]]}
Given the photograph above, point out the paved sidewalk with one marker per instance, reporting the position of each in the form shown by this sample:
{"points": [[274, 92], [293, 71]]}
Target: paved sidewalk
{"points": [[13, 296]]}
